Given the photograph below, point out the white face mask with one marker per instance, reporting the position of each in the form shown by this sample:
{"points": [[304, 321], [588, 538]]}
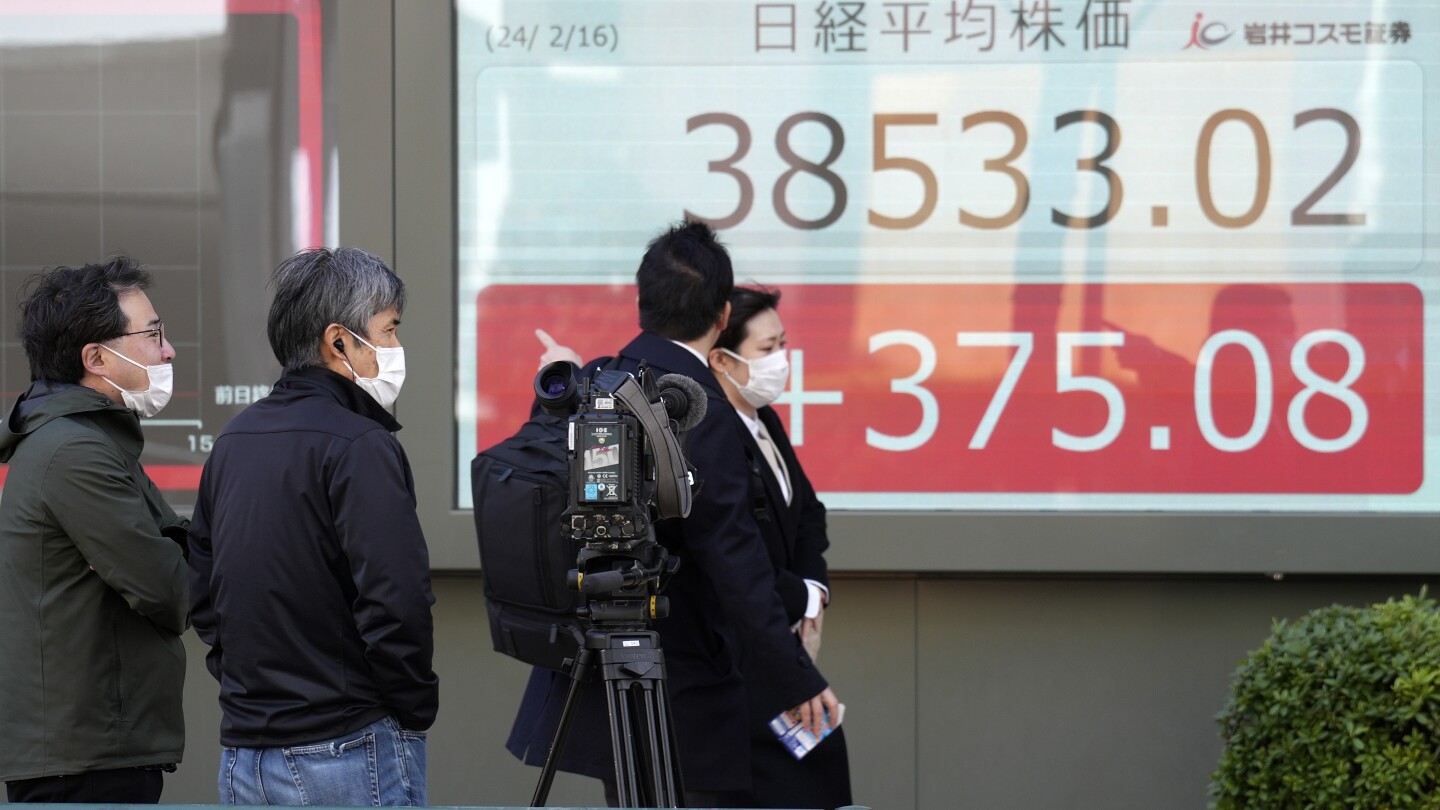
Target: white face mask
{"points": [[385, 386], [150, 401], [768, 376]]}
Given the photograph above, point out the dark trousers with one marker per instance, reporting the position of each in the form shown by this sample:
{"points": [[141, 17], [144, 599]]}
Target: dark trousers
{"points": [[121, 786]]}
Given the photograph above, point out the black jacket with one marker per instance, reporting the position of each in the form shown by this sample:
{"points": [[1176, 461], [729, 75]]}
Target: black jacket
{"points": [[309, 575], [723, 603], [795, 533], [796, 538]]}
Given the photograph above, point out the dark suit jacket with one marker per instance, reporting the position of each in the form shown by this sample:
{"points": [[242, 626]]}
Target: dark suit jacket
{"points": [[723, 600], [796, 539], [794, 532]]}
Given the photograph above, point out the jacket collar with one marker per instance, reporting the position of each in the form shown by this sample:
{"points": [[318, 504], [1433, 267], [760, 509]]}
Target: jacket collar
{"points": [[667, 357], [44, 402], [323, 381]]}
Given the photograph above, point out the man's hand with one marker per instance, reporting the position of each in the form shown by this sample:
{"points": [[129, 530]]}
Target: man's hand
{"points": [[812, 712], [554, 351]]}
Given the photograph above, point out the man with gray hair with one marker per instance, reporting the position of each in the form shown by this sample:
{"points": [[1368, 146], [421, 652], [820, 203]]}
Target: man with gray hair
{"points": [[309, 575]]}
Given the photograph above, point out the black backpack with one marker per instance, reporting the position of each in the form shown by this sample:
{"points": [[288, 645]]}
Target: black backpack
{"points": [[520, 489]]}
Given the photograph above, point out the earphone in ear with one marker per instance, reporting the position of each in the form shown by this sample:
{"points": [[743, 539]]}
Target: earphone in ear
{"points": [[339, 345]]}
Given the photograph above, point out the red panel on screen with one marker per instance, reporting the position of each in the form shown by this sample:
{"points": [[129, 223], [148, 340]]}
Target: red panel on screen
{"points": [[1183, 388], [166, 476]]}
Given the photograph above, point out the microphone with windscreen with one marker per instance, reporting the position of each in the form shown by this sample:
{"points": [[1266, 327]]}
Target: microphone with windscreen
{"points": [[684, 400]]}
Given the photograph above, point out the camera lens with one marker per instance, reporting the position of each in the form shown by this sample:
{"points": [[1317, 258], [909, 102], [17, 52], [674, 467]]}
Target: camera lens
{"points": [[555, 388]]}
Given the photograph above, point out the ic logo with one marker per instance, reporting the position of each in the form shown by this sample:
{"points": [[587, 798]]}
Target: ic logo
{"points": [[1207, 36]]}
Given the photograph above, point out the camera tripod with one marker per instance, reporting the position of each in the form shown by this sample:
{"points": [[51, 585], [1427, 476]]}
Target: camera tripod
{"points": [[632, 668]]}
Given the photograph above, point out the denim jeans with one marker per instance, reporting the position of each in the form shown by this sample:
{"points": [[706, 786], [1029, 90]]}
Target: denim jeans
{"points": [[379, 765]]}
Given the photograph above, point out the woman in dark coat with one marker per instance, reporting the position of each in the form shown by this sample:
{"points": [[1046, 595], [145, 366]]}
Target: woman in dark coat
{"points": [[750, 363]]}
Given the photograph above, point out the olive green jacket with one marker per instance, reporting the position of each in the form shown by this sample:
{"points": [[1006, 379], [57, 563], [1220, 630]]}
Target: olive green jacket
{"points": [[92, 594]]}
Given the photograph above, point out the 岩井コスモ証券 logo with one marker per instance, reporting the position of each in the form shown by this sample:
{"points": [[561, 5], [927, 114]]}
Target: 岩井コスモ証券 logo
{"points": [[1205, 35]]}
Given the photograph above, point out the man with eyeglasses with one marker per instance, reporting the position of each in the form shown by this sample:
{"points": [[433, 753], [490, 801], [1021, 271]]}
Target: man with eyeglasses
{"points": [[92, 575]]}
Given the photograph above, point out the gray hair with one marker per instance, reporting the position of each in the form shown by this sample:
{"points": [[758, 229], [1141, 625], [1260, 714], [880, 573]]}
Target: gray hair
{"points": [[318, 287]]}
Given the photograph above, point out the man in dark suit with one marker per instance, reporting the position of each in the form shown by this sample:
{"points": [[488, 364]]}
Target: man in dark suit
{"points": [[723, 599]]}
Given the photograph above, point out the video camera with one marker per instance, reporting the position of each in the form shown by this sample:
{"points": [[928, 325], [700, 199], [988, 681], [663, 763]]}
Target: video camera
{"points": [[627, 470]]}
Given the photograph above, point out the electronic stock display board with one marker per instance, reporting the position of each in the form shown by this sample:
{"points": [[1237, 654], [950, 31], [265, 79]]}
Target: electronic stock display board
{"points": [[1065, 255]]}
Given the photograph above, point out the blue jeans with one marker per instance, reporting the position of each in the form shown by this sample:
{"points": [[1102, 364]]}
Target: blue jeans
{"points": [[379, 765]]}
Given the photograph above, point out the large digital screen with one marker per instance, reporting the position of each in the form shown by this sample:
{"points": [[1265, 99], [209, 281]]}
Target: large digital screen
{"points": [[1107, 255]]}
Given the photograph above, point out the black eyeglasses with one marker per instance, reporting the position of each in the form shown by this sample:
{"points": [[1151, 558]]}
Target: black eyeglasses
{"points": [[158, 332]]}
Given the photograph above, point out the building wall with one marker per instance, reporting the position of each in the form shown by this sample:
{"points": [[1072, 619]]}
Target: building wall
{"points": [[959, 692]]}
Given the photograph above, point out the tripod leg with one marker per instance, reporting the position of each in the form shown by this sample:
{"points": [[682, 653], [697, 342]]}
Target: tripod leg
{"points": [[673, 783], [661, 791], [622, 741], [579, 671], [645, 750], [648, 774], [642, 734], [674, 779]]}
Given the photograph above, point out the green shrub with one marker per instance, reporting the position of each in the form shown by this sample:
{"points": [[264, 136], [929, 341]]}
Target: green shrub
{"points": [[1337, 710]]}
